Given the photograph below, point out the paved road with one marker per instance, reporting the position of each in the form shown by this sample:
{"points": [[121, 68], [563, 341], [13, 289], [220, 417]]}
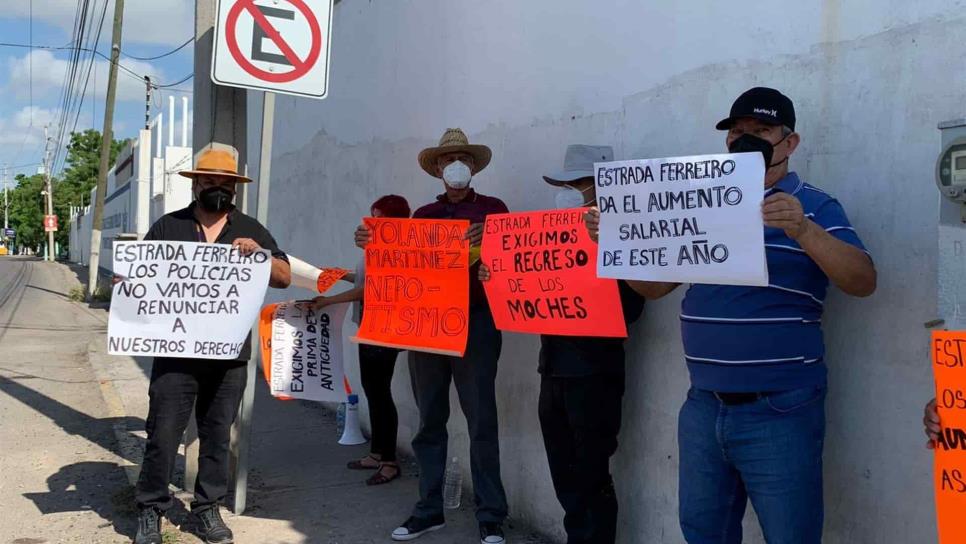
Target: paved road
{"points": [[72, 420], [59, 474]]}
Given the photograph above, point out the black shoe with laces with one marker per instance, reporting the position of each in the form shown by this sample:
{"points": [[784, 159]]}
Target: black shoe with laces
{"points": [[415, 527], [149, 527], [213, 528], [491, 533]]}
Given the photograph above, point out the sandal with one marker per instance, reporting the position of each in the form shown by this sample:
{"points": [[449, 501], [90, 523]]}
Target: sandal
{"points": [[361, 464], [379, 478]]}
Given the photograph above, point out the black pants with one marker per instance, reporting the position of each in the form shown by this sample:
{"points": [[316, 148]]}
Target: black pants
{"points": [[214, 388], [474, 375], [580, 419], [377, 364]]}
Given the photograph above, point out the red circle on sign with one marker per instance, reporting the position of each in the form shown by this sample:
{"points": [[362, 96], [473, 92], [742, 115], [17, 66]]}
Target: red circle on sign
{"points": [[299, 70]]}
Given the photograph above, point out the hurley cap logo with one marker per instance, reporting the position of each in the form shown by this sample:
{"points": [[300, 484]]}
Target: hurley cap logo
{"points": [[773, 113]]}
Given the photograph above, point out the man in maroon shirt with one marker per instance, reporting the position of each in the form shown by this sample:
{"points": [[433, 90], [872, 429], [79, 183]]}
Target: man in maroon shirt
{"points": [[455, 161]]}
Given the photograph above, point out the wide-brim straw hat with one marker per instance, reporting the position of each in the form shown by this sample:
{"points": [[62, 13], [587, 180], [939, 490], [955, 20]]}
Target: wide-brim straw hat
{"points": [[454, 141], [217, 162]]}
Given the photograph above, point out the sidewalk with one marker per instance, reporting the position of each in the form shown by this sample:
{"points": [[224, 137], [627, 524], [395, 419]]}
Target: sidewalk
{"points": [[299, 489]]}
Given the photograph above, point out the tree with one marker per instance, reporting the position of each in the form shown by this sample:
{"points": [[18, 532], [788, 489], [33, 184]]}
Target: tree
{"points": [[27, 210]]}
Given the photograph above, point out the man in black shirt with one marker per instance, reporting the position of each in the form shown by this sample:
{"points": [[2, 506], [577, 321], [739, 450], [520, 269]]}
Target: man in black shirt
{"points": [[214, 388], [581, 388]]}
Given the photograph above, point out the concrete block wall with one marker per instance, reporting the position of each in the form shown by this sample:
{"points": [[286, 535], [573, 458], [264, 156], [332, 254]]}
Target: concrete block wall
{"points": [[871, 80]]}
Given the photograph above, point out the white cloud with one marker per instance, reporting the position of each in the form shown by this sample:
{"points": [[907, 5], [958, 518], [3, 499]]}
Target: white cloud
{"points": [[161, 22], [17, 129], [49, 70], [32, 116]]}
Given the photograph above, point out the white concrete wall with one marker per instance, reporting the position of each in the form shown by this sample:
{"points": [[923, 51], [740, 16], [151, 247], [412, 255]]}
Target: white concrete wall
{"points": [[871, 79]]}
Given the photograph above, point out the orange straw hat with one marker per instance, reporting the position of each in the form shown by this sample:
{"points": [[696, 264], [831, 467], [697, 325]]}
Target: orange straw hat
{"points": [[454, 141], [220, 162]]}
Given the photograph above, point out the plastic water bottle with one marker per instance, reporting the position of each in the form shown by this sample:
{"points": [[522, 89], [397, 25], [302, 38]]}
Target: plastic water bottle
{"points": [[453, 486], [340, 418]]}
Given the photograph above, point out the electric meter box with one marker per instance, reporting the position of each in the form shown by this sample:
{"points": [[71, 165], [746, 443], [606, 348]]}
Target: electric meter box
{"points": [[951, 170]]}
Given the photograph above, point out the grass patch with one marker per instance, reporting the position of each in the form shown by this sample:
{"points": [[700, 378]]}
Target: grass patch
{"points": [[169, 536], [77, 294]]}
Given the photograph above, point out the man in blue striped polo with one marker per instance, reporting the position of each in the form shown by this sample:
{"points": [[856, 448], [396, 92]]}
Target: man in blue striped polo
{"points": [[753, 424]]}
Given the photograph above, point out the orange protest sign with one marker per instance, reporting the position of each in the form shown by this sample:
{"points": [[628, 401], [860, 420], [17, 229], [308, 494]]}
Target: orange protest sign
{"points": [[329, 277], [543, 276], [949, 367], [265, 319], [417, 285]]}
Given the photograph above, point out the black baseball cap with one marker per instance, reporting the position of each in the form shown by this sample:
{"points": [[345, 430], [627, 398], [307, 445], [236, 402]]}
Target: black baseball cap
{"points": [[766, 105]]}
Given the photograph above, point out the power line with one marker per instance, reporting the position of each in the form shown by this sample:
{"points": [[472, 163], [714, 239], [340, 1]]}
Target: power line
{"points": [[90, 67], [67, 96], [185, 78], [161, 56], [138, 76]]}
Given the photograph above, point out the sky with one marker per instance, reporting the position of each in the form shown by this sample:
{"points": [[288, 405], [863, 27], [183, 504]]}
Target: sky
{"points": [[32, 81]]}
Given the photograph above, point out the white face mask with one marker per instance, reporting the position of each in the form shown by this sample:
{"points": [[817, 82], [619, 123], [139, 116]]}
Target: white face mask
{"points": [[457, 175], [569, 197]]}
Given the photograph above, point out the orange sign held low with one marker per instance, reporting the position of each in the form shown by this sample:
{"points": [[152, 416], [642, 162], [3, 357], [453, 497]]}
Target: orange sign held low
{"points": [[309, 277], [329, 277], [416, 286], [949, 367], [543, 276]]}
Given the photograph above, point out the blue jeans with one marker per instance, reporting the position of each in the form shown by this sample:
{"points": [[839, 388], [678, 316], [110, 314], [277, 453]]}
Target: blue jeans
{"points": [[769, 451]]}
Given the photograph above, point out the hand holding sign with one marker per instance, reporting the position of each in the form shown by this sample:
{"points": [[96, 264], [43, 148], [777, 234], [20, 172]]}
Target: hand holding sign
{"points": [[932, 423], [592, 222], [784, 211]]}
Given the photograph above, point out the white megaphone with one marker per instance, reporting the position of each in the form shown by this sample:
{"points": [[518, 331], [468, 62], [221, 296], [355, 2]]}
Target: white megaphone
{"points": [[313, 278], [352, 435]]}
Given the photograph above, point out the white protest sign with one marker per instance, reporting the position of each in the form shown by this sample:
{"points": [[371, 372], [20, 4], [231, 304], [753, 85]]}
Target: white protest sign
{"points": [[683, 219], [303, 357], [185, 299]]}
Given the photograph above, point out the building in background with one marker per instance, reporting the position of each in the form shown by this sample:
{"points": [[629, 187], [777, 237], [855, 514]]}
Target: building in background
{"points": [[143, 185]]}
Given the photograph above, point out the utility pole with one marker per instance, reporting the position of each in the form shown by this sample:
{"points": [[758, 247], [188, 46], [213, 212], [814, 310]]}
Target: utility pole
{"points": [[147, 102], [6, 204], [106, 141], [50, 195]]}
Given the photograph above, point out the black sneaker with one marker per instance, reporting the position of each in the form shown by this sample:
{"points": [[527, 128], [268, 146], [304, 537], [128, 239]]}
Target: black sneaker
{"points": [[149, 527], [491, 533], [213, 528], [417, 527]]}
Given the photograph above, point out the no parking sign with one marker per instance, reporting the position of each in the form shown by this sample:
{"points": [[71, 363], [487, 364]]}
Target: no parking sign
{"points": [[273, 45]]}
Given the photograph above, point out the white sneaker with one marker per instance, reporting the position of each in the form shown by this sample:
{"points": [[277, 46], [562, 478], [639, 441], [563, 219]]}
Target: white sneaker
{"points": [[415, 527], [491, 533]]}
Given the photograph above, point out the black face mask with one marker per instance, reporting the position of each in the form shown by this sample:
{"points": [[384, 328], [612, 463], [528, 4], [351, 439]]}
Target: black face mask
{"points": [[215, 199], [749, 143]]}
